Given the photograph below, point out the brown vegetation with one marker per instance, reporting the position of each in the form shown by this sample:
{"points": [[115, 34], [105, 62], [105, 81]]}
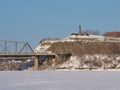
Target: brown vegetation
{"points": [[53, 62], [100, 54], [79, 48], [6, 65]]}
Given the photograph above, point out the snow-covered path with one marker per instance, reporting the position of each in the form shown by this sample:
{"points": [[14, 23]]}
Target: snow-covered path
{"points": [[60, 80]]}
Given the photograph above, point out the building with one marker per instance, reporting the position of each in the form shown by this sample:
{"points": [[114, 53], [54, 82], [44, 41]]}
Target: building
{"points": [[112, 34]]}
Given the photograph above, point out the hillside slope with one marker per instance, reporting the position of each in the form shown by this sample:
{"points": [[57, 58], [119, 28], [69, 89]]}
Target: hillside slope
{"points": [[86, 54]]}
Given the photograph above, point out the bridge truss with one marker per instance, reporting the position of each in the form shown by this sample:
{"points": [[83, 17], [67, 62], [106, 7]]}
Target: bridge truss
{"points": [[20, 51], [15, 50], [14, 47]]}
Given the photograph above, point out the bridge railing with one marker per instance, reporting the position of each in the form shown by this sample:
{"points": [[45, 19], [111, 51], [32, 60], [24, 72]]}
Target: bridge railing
{"points": [[15, 47]]}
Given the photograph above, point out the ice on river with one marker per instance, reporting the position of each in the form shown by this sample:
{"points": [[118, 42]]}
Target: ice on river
{"points": [[60, 80]]}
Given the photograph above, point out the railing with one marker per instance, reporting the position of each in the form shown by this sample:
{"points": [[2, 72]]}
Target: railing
{"points": [[14, 47]]}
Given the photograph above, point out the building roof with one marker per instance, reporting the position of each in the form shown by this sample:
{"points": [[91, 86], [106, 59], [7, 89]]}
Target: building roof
{"points": [[112, 34]]}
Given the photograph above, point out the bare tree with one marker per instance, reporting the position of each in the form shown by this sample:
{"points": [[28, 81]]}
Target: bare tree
{"points": [[96, 32]]}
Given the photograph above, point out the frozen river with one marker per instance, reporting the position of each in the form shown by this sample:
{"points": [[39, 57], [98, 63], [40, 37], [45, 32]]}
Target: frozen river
{"points": [[60, 80]]}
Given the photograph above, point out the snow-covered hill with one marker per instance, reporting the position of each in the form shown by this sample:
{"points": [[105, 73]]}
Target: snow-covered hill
{"points": [[45, 44], [88, 52]]}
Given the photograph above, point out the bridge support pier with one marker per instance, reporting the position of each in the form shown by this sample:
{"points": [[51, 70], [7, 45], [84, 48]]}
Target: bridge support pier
{"points": [[36, 64]]}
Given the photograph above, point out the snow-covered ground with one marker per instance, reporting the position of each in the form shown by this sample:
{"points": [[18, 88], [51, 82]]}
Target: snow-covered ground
{"points": [[59, 80]]}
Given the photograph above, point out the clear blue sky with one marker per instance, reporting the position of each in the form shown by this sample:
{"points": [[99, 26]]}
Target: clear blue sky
{"points": [[34, 20]]}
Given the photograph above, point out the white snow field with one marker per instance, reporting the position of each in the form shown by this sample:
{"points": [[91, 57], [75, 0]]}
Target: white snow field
{"points": [[60, 80]]}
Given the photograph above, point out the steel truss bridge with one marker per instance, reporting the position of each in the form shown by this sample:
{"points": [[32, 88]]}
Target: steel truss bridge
{"points": [[14, 50]]}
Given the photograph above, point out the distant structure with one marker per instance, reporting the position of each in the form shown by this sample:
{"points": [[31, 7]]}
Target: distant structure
{"points": [[112, 34], [80, 33], [91, 35], [80, 30]]}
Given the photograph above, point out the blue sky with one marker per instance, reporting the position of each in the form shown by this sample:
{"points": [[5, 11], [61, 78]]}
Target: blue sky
{"points": [[34, 20]]}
